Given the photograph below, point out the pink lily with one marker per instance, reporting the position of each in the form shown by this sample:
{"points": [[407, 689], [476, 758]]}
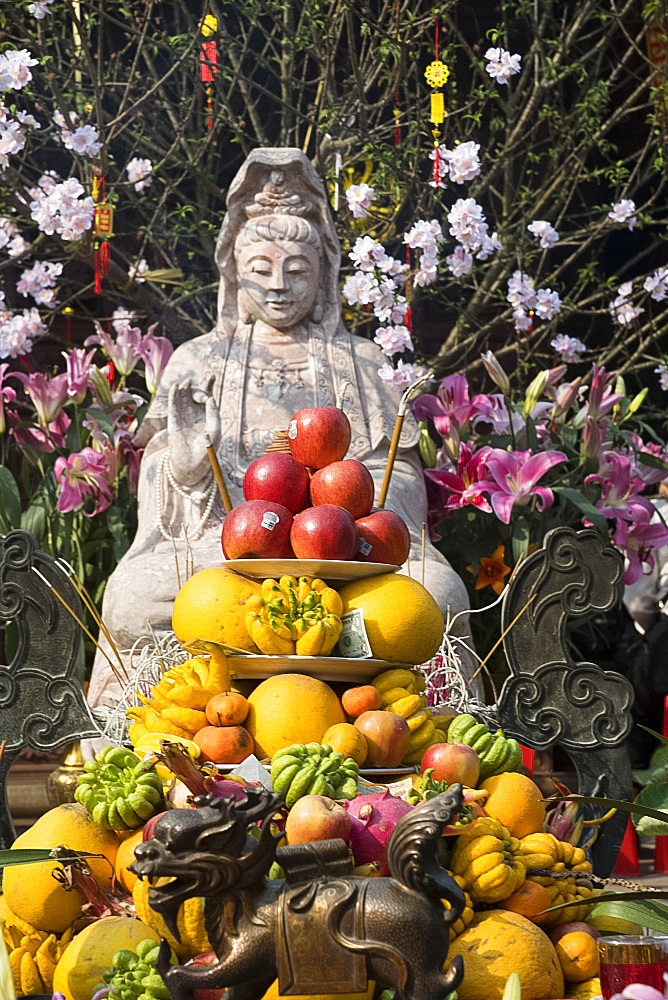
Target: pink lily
{"points": [[639, 991], [48, 393], [565, 396], [131, 456], [450, 406], [512, 477], [156, 352], [592, 438], [601, 398], [78, 373], [79, 476], [647, 473], [619, 489], [637, 540], [462, 483], [125, 352], [7, 395], [32, 436]]}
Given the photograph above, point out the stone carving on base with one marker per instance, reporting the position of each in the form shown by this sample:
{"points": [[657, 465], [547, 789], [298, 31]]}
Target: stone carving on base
{"points": [[279, 345], [394, 929]]}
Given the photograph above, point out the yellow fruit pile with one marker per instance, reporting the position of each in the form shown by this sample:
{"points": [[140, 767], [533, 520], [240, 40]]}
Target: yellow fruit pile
{"points": [[401, 692], [176, 705], [33, 954], [190, 921]]}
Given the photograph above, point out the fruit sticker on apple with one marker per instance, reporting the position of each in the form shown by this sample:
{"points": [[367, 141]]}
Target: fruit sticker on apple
{"points": [[383, 538], [319, 436], [257, 529]]}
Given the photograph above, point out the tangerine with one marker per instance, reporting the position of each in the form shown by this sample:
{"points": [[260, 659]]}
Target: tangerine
{"points": [[529, 900], [361, 699], [125, 857], [578, 956], [348, 740], [224, 744], [229, 709], [516, 801]]}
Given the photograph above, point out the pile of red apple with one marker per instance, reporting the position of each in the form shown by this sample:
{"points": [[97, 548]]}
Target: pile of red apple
{"points": [[313, 503]]}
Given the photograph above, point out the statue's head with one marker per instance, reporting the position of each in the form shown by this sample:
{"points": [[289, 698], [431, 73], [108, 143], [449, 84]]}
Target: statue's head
{"points": [[277, 252], [277, 256]]}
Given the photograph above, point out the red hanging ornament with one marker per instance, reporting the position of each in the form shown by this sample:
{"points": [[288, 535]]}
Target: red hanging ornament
{"points": [[208, 63], [103, 230], [436, 75]]}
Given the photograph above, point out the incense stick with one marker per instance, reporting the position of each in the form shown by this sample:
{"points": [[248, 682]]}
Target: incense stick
{"points": [[90, 604], [501, 638], [92, 638], [424, 530], [218, 474], [176, 558], [394, 443]]}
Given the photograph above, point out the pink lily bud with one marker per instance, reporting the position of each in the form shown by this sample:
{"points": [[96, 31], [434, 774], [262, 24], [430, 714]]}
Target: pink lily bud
{"points": [[496, 372], [592, 438], [565, 397], [555, 375]]}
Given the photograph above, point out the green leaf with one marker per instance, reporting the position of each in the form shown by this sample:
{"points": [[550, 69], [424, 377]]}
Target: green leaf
{"points": [[520, 538], [577, 498], [34, 519], [513, 988], [10, 500], [655, 795], [29, 856], [646, 458], [627, 898], [118, 532], [630, 807], [643, 912]]}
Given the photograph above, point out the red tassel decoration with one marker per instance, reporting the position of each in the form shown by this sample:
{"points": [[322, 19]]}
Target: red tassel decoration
{"points": [[104, 257], [97, 281], [208, 63]]}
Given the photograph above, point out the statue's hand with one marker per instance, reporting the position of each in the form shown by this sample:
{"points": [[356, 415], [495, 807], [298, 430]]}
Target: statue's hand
{"points": [[192, 413]]}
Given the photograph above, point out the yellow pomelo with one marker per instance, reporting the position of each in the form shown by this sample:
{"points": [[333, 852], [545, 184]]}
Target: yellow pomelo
{"points": [[402, 619], [210, 607], [31, 891], [273, 994], [290, 708], [589, 990], [500, 942], [89, 954]]}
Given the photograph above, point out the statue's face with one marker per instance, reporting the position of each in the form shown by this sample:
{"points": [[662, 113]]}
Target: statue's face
{"points": [[279, 281]]}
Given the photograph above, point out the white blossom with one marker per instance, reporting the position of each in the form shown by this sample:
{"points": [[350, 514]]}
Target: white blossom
{"points": [[61, 208], [136, 271], [367, 253], [426, 272], [570, 348], [139, 173], [460, 262], [522, 320], [622, 211], [424, 235], [15, 69], [489, 245], [12, 140], [358, 288], [657, 284], [544, 233], [18, 331], [359, 198], [393, 339], [621, 308], [84, 141], [123, 319], [462, 162], [39, 8], [404, 374], [521, 291], [548, 303], [662, 372], [27, 119], [467, 223], [38, 281], [501, 65]]}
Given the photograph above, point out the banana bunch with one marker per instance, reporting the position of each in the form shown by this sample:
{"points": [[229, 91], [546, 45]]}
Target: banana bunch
{"points": [[33, 954], [301, 616], [313, 769], [119, 790], [133, 975], [401, 690], [176, 705]]}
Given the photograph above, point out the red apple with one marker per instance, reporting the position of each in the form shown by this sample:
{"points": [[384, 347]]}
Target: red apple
{"points": [[383, 538], [279, 478], [316, 817], [208, 958], [319, 436], [259, 529], [346, 484], [452, 762], [387, 735], [324, 532]]}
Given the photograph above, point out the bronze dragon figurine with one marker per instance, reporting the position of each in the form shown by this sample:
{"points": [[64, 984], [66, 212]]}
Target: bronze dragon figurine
{"points": [[322, 929]]}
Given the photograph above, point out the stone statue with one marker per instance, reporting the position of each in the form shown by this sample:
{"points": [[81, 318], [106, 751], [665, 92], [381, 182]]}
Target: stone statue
{"points": [[279, 345]]}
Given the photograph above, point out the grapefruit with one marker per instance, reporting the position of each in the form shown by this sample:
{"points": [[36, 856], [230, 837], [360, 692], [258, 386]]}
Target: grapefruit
{"points": [[290, 708], [31, 891], [403, 621], [89, 954]]}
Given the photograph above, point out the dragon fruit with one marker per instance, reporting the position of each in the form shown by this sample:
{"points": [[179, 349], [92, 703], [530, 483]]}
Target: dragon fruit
{"points": [[372, 820]]}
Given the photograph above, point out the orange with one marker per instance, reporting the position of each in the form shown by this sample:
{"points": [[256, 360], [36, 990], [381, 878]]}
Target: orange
{"points": [[529, 900], [361, 699], [347, 740], [224, 744], [229, 709], [125, 857], [210, 607], [578, 956], [516, 801]]}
